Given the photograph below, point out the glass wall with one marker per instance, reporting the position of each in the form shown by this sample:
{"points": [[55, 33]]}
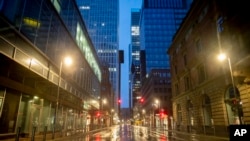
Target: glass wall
{"points": [[9, 110], [35, 112], [50, 38]]}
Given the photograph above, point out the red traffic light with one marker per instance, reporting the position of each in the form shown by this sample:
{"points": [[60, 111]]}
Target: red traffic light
{"points": [[141, 100], [98, 114], [119, 101], [162, 115]]}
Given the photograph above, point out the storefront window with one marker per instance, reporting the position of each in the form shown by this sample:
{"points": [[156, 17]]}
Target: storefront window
{"points": [[34, 112], [9, 111], [2, 94]]}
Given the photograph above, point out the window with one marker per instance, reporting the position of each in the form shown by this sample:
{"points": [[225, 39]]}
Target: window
{"points": [[187, 82], [201, 73], [198, 46], [190, 113], [188, 33], [234, 108], [175, 69], [2, 95], [207, 112], [156, 90], [176, 89], [179, 114], [220, 21], [185, 60]]}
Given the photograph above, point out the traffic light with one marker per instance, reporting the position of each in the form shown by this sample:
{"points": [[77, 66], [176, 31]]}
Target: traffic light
{"points": [[162, 114], [141, 100], [119, 101], [98, 114]]}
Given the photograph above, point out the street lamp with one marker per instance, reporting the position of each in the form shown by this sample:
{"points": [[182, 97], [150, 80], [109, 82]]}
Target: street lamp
{"points": [[159, 108], [157, 103], [67, 61], [111, 119], [103, 102], [222, 57]]}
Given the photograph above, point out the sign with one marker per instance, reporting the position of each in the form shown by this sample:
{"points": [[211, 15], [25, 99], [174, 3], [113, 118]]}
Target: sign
{"points": [[239, 132]]}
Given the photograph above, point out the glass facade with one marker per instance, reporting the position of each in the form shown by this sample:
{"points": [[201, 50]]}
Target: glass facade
{"points": [[36, 89], [160, 20], [101, 19], [135, 54]]}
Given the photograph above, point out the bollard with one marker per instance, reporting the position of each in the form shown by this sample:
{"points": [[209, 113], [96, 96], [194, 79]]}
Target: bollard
{"points": [[18, 133], [44, 133], [33, 133]]}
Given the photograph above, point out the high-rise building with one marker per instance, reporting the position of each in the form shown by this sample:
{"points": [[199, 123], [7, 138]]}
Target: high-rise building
{"points": [[101, 19], [135, 55], [159, 21], [37, 88]]}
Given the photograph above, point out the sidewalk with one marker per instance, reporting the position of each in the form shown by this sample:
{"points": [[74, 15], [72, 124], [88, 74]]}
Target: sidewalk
{"points": [[58, 136], [185, 136]]}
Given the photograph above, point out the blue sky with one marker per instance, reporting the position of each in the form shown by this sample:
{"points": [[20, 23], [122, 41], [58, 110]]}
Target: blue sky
{"points": [[124, 41]]}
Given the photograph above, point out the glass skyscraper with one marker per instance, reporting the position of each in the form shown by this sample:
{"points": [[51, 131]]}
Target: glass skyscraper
{"points": [[135, 55], [160, 19], [36, 87], [101, 19]]}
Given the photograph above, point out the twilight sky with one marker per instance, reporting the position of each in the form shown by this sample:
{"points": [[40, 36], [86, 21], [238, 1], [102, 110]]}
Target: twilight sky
{"points": [[124, 41]]}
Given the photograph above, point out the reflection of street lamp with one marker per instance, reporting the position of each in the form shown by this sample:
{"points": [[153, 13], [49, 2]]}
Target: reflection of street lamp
{"points": [[112, 112], [222, 57], [67, 61]]}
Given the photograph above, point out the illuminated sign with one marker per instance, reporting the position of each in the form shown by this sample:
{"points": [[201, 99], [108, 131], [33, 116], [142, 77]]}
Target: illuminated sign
{"points": [[31, 22]]}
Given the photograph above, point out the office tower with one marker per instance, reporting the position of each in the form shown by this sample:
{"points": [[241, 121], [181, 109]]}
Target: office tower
{"points": [[135, 55], [37, 88], [159, 21], [101, 19]]}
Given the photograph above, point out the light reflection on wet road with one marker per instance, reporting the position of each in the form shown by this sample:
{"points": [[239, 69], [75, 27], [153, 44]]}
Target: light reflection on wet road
{"points": [[138, 133], [121, 133]]}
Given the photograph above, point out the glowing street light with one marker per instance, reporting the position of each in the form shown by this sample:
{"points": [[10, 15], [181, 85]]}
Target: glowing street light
{"points": [[157, 103], [111, 118], [223, 57], [67, 61]]}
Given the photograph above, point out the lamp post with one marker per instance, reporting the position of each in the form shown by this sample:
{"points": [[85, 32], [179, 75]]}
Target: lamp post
{"points": [[222, 57], [103, 102], [143, 117], [111, 119], [159, 108], [67, 61], [153, 116]]}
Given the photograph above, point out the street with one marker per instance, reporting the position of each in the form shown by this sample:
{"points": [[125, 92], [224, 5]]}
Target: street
{"points": [[126, 132], [121, 133]]}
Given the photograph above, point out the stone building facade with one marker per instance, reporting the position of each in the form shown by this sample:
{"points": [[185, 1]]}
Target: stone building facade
{"points": [[209, 95]]}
